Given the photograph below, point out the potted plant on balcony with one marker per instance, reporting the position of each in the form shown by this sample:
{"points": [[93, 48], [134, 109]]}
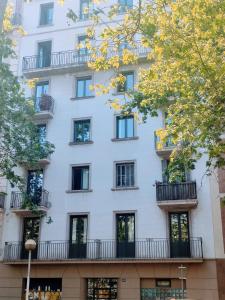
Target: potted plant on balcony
{"points": [[45, 103]]}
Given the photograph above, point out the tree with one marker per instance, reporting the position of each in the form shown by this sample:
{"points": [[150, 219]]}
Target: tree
{"points": [[185, 41], [19, 136]]}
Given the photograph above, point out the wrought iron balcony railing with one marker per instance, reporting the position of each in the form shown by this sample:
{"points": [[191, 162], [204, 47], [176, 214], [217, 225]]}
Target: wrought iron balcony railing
{"points": [[20, 200], [2, 201], [45, 103], [176, 191], [70, 58], [148, 249]]}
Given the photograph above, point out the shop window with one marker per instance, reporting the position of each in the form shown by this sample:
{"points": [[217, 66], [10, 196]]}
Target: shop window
{"points": [[43, 288], [101, 288]]}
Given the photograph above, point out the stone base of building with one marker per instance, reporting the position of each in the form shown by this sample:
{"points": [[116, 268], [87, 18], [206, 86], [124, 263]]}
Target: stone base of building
{"points": [[205, 281]]}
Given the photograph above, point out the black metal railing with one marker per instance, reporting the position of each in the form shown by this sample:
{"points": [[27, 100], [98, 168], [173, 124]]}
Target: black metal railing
{"points": [[20, 200], [2, 201], [162, 293], [176, 191], [148, 249], [71, 58], [43, 104], [159, 145]]}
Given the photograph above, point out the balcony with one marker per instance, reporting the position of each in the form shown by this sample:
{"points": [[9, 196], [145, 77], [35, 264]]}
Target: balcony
{"points": [[26, 205], [163, 149], [66, 61], [44, 107], [150, 249], [2, 202], [181, 195]]}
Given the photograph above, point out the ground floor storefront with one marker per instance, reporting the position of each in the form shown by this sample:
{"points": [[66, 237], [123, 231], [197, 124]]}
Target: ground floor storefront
{"points": [[114, 281]]}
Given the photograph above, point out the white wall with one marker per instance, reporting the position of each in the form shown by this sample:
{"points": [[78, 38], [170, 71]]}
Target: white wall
{"points": [[102, 202]]}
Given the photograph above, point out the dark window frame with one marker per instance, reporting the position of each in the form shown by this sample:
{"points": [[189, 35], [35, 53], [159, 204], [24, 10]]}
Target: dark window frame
{"points": [[82, 15], [83, 121], [49, 5], [73, 179], [125, 118], [122, 88], [84, 92], [128, 166]]}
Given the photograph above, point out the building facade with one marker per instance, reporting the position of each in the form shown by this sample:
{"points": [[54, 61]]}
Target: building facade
{"points": [[110, 226]]}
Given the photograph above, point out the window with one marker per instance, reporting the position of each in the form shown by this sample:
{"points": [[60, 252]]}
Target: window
{"points": [[83, 51], [183, 177], [85, 9], [41, 89], [31, 228], [83, 87], [124, 127], [80, 178], [125, 235], [101, 288], [42, 133], [124, 5], [35, 179], [82, 131], [44, 54], [125, 174], [43, 288], [128, 84], [78, 236], [46, 16]]}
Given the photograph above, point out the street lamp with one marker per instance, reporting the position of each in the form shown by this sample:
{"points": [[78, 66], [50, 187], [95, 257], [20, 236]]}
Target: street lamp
{"points": [[30, 245]]}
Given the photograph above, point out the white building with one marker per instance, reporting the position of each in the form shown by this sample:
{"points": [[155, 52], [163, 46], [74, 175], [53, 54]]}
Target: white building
{"points": [[118, 232]]}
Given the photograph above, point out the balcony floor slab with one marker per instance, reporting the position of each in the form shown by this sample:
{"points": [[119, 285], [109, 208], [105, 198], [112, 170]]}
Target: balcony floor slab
{"points": [[178, 204], [110, 261], [28, 212]]}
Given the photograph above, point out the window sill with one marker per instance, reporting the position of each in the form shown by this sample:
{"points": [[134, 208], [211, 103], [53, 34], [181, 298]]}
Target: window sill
{"points": [[81, 98], [78, 191], [80, 143], [125, 139], [125, 188], [45, 25], [123, 93]]}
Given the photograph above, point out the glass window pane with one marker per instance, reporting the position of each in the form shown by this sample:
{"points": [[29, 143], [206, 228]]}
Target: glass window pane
{"points": [[78, 133], [82, 45], [82, 131], [41, 89], [74, 231], [50, 15], [130, 127], [80, 88], [85, 4], [130, 225], [76, 178], [88, 92], [125, 175], [42, 133], [85, 178], [86, 131], [129, 81], [120, 127]]}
